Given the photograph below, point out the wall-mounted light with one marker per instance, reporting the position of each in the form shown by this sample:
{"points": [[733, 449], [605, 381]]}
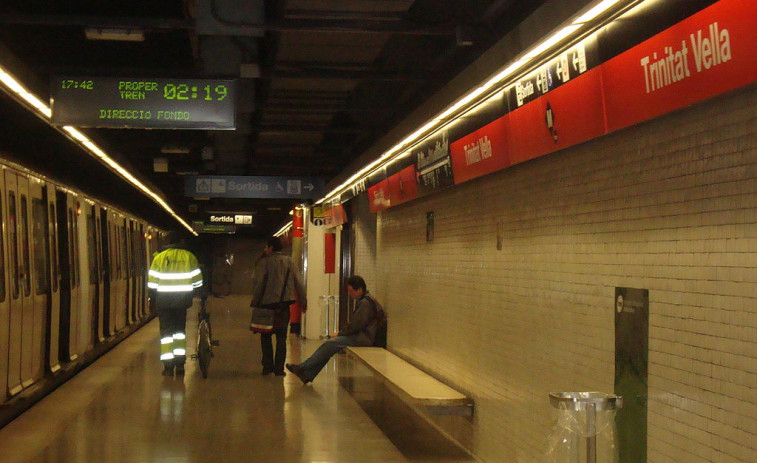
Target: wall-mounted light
{"points": [[16, 89], [206, 153], [283, 229], [120, 35], [570, 31], [160, 165], [175, 149]]}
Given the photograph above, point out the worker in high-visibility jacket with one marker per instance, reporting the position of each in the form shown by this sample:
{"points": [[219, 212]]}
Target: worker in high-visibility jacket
{"points": [[173, 278]]}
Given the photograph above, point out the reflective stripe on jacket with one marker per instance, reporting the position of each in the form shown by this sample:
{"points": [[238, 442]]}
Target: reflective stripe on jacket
{"points": [[174, 273]]}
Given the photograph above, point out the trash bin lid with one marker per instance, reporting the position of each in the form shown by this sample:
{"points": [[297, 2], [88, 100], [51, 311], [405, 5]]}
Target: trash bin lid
{"points": [[579, 400]]}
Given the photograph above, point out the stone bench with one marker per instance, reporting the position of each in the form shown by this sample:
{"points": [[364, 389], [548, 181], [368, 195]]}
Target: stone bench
{"points": [[412, 385]]}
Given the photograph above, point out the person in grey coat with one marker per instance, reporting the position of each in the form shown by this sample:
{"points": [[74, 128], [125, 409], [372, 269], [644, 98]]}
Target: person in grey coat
{"points": [[360, 331], [276, 284]]}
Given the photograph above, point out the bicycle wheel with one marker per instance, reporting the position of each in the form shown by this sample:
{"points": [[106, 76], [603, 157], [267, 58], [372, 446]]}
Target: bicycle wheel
{"points": [[204, 352]]}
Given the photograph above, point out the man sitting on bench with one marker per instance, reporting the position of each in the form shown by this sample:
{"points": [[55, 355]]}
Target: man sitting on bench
{"points": [[368, 319]]}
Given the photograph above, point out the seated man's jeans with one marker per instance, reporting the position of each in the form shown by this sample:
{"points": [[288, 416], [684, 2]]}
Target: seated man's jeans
{"points": [[313, 365]]}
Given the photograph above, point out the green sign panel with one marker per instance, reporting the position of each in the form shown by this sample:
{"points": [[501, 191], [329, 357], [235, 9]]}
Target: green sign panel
{"points": [[143, 102]]}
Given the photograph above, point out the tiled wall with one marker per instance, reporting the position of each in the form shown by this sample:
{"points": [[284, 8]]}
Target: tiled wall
{"points": [[365, 243], [670, 206]]}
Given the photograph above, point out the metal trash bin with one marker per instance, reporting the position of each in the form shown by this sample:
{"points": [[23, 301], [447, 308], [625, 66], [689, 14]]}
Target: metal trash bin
{"points": [[585, 428]]}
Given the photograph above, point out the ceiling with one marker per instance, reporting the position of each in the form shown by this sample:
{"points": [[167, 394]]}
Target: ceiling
{"points": [[319, 81]]}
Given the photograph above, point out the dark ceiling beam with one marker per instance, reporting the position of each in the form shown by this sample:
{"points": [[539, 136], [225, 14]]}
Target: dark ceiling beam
{"points": [[276, 109], [290, 111], [359, 27], [188, 72], [311, 107], [497, 9], [381, 26], [125, 22], [314, 72], [343, 14], [319, 148], [284, 129], [296, 95]]}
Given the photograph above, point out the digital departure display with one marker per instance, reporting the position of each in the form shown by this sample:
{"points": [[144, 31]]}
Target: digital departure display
{"points": [[208, 104]]}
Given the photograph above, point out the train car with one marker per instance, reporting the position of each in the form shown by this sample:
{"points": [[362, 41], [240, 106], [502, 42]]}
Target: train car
{"points": [[72, 283]]}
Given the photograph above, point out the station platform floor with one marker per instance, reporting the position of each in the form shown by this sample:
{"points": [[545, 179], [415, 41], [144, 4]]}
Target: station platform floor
{"points": [[121, 409]]}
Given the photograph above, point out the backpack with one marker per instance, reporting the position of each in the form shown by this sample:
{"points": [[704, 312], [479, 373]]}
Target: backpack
{"points": [[380, 339]]}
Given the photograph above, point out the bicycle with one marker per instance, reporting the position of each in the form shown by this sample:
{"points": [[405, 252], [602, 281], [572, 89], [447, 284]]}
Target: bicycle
{"points": [[205, 342]]}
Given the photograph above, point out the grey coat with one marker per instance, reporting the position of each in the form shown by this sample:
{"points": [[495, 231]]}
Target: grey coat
{"points": [[268, 280]]}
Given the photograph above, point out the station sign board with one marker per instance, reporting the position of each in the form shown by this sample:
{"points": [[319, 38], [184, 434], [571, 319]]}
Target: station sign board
{"points": [[229, 219], [201, 227], [87, 101], [220, 186]]}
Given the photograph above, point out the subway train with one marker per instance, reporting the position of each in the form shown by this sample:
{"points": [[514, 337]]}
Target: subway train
{"points": [[73, 272]]}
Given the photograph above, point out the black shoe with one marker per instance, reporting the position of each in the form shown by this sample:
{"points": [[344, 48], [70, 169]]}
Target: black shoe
{"points": [[280, 373], [297, 370], [167, 371], [266, 371], [179, 370]]}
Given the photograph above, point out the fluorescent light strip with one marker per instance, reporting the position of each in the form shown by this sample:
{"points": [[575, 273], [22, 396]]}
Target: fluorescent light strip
{"points": [[14, 86], [463, 103], [283, 229], [550, 42], [595, 11]]}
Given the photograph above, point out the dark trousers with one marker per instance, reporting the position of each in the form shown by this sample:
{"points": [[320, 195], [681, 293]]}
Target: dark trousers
{"points": [[275, 363], [173, 322]]}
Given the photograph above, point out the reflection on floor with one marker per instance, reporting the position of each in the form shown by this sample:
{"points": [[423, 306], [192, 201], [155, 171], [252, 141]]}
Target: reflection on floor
{"points": [[121, 409], [411, 433]]}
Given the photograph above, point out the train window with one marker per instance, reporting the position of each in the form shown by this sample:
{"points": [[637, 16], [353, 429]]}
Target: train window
{"points": [[92, 251], [54, 244], [26, 261], [13, 244], [2, 255], [41, 247]]}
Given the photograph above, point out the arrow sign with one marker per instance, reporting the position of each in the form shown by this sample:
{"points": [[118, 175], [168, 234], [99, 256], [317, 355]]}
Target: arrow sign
{"points": [[218, 186]]}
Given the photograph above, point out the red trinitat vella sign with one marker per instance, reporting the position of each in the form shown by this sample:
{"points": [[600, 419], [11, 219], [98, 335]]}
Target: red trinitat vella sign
{"points": [[707, 54]]}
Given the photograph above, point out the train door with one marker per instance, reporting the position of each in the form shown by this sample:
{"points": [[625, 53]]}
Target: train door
{"points": [[65, 225], [21, 354], [44, 213], [4, 300], [151, 247], [116, 299], [122, 290], [132, 289], [96, 272], [15, 300], [139, 269], [82, 339], [37, 246], [105, 235]]}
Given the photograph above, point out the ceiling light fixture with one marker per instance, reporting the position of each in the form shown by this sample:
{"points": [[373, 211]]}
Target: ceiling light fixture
{"points": [[121, 35], [567, 33], [15, 88], [283, 229], [175, 149]]}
